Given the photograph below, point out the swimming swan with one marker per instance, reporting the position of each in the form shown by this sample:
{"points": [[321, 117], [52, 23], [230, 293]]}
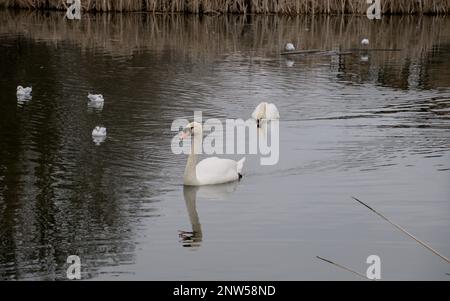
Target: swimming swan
{"points": [[210, 170], [265, 111], [95, 97], [365, 42], [24, 92]]}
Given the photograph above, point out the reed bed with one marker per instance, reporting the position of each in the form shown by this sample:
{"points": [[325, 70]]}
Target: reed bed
{"points": [[291, 7]]}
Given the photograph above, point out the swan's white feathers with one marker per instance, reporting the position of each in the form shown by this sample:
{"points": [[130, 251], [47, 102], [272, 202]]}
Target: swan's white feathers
{"points": [[266, 111], [259, 110], [272, 112], [24, 92], [211, 170], [240, 165], [99, 132], [215, 170], [95, 97]]}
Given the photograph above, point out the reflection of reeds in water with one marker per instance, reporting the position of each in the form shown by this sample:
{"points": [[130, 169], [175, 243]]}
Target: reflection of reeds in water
{"points": [[208, 37], [245, 6], [124, 33]]}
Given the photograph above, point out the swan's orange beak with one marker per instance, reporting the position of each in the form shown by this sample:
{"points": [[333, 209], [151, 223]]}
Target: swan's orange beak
{"points": [[184, 135]]}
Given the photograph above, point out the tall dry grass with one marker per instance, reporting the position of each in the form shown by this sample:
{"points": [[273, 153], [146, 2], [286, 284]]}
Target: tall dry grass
{"points": [[245, 6]]}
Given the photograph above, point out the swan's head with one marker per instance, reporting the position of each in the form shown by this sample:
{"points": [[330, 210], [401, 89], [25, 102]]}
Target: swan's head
{"points": [[193, 129], [19, 88], [260, 113]]}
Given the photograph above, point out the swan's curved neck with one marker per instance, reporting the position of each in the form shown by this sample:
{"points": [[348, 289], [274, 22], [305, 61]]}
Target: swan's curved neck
{"points": [[262, 111], [190, 195], [190, 174]]}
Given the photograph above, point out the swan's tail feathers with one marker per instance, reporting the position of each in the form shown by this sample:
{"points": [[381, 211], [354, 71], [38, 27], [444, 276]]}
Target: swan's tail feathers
{"points": [[240, 165]]}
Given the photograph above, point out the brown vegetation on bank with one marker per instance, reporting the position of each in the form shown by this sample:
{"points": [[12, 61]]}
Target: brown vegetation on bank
{"points": [[244, 6]]}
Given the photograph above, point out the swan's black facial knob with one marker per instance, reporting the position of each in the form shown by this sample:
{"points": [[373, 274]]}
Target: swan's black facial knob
{"points": [[257, 123]]}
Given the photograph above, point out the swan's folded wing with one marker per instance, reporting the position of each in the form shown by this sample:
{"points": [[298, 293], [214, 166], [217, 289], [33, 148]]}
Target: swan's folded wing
{"points": [[272, 112], [215, 171], [95, 97], [257, 109]]}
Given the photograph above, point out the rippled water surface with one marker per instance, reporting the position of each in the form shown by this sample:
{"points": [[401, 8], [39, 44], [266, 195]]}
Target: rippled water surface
{"points": [[374, 124]]}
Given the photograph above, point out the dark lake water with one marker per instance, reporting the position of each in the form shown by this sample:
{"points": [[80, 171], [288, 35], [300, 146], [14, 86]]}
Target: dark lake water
{"points": [[373, 125]]}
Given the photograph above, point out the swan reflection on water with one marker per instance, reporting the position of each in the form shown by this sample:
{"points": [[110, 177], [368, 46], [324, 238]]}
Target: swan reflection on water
{"points": [[192, 239], [22, 101], [289, 62], [364, 57]]}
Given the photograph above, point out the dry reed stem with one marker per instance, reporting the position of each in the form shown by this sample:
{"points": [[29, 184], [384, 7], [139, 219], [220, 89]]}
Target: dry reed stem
{"points": [[291, 7]]}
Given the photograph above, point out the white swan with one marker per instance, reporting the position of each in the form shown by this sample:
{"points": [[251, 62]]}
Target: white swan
{"points": [[95, 97], [365, 42], [210, 170], [24, 92], [99, 131], [265, 111], [289, 47]]}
